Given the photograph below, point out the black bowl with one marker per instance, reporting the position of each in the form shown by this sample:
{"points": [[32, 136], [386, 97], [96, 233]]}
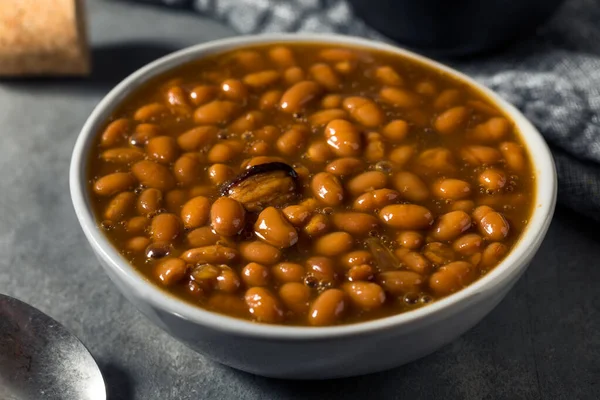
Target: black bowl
{"points": [[455, 28]]}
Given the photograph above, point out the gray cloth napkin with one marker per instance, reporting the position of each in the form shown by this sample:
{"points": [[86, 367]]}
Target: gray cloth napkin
{"points": [[553, 77]]}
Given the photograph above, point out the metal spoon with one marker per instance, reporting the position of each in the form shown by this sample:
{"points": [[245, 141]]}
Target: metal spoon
{"points": [[40, 359]]}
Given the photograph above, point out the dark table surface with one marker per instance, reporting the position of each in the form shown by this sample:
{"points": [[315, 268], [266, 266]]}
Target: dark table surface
{"points": [[541, 342]]}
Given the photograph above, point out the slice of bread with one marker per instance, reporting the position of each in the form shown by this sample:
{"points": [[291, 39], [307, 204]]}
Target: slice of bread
{"points": [[43, 38]]}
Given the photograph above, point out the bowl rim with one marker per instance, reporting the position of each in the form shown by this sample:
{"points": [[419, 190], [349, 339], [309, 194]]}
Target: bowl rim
{"points": [[502, 275]]}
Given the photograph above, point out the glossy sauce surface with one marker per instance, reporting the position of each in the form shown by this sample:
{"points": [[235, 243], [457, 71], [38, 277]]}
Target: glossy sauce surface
{"points": [[310, 185]]}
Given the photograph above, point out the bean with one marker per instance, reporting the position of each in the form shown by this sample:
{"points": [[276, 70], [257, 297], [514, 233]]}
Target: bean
{"points": [[317, 225], [343, 138], [493, 254], [492, 225], [293, 75], [480, 155], [261, 160], [175, 199], [319, 152], [355, 223], [438, 253], [410, 186], [436, 161], [297, 96], [331, 101], [400, 98], [136, 225], [120, 206], [322, 269], [228, 281], [272, 227], [215, 112], [327, 188], [254, 274], [366, 181], [220, 173], [170, 271], [162, 149], [227, 216], [247, 122], [225, 151], [198, 137], [214, 254], [195, 212], [177, 97], [297, 215], [406, 216], [263, 305], [362, 272], [288, 272], [410, 239], [401, 155], [333, 244], [396, 131], [399, 283], [492, 179], [143, 133], [327, 308], [493, 130], [295, 296], [426, 88], [124, 155], [468, 244], [137, 244], [293, 140], [258, 80], [376, 149], [270, 99], [115, 133], [258, 148], [153, 175], [150, 111], [416, 262], [463, 205], [356, 258], [451, 189], [334, 54], [186, 169], [324, 75], [447, 99], [451, 120], [234, 89], [249, 59], [375, 199], [201, 237], [282, 56], [364, 111], [165, 227], [452, 277], [513, 155], [149, 201], [229, 304], [365, 295], [202, 94], [260, 252], [450, 225], [114, 183], [345, 166], [323, 117], [388, 76]]}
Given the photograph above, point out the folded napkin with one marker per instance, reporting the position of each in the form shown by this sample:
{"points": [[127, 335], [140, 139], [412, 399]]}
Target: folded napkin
{"points": [[553, 77]]}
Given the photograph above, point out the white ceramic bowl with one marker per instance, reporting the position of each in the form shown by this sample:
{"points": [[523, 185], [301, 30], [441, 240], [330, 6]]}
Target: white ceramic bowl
{"points": [[311, 352]]}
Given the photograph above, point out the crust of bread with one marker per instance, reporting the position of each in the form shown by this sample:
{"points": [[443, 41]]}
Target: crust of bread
{"points": [[43, 37]]}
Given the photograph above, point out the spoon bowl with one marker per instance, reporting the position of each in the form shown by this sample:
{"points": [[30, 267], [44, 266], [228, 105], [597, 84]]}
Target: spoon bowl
{"points": [[41, 359]]}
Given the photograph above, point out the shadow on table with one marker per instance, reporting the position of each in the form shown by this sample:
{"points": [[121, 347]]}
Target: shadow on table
{"points": [[110, 65], [117, 381]]}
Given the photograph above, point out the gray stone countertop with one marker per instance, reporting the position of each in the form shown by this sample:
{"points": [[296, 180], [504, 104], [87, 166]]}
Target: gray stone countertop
{"points": [[541, 342]]}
